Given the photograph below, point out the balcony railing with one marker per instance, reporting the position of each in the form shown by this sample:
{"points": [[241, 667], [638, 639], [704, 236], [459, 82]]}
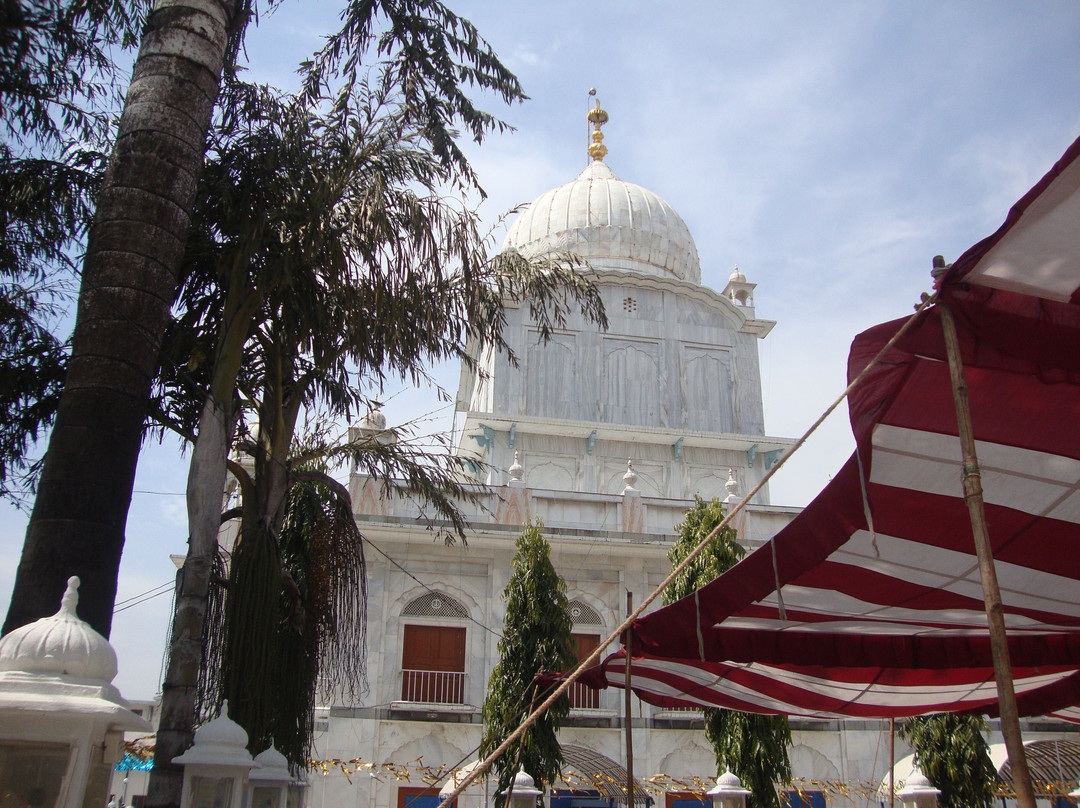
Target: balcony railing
{"points": [[433, 687], [583, 697], [681, 712]]}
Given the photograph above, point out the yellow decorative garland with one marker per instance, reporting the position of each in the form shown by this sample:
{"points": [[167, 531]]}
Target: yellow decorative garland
{"points": [[657, 784]]}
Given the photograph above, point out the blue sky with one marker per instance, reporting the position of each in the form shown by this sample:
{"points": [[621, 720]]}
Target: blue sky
{"points": [[828, 149]]}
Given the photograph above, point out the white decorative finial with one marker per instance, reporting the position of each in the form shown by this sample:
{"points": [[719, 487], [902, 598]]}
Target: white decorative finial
{"points": [[630, 477], [70, 600], [62, 645], [372, 427], [517, 470], [732, 485], [739, 289]]}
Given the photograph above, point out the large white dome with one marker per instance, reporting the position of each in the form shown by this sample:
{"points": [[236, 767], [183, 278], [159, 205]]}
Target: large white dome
{"points": [[613, 224]]}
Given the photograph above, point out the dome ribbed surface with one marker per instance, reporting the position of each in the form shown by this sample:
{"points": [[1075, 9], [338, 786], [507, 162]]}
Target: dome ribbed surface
{"points": [[612, 223], [218, 742], [271, 765], [62, 645], [221, 732]]}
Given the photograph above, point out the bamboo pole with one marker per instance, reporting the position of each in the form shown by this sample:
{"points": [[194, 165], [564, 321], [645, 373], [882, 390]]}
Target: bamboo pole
{"points": [[892, 762], [627, 707], [995, 611]]}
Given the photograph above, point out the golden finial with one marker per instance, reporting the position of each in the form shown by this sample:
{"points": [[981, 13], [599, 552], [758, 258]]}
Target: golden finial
{"points": [[597, 117]]}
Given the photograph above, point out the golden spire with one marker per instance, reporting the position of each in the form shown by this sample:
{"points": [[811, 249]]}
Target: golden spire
{"points": [[597, 117]]}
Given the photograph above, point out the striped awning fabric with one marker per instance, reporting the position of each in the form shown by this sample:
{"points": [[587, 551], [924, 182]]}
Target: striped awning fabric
{"points": [[870, 602]]}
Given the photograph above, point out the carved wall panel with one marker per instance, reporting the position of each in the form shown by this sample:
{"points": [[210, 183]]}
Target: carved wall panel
{"points": [[483, 392], [706, 482], [550, 374], [559, 474], [632, 381], [708, 389]]}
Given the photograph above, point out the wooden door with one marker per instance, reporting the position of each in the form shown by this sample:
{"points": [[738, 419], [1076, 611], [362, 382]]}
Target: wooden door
{"points": [[582, 697], [433, 664]]}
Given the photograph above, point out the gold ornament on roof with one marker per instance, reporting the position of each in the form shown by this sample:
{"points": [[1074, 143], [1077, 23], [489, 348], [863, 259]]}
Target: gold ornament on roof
{"points": [[597, 117]]}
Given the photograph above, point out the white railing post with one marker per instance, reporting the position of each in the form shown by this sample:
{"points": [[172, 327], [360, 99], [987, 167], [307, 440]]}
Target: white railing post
{"points": [[433, 687]]}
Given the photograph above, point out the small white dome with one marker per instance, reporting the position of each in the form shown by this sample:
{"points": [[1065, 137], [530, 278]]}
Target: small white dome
{"points": [[271, 765], [222, 731], [918, 780], [61, 645], [611, 223], [220, 741], [524, 785], [737, 276], [728, 785], [729, 779], [374, 419]]}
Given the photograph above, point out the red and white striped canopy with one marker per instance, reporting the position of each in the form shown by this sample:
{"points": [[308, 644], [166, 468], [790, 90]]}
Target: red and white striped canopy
{"points": [[870, 603]]}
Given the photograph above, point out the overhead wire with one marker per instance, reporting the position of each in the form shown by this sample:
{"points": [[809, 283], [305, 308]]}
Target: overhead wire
{"points": [[138, 600], [425, 586]]}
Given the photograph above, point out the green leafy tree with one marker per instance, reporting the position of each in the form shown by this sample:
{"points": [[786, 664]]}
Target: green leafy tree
{"points": [[951, 750], [537, 638], [58, 81], [312, 593], [31, 373], [753, 747]]}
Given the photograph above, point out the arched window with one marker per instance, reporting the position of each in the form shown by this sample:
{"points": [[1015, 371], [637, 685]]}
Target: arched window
{"points": [[587, 625], [433, 655], [435, 604], [583, 614]]}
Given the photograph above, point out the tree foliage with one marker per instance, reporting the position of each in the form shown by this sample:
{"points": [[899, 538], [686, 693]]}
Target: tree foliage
{"points": [[57, 88], [951, 750], [31, 373], [537, 638], [432, 55], [311, 593], [58, 80], [357, 267], [753, 747]]}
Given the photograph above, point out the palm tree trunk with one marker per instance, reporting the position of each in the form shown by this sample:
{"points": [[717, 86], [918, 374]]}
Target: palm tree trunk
{"points": [[134, 250], [206, 482], [133, 256]]}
